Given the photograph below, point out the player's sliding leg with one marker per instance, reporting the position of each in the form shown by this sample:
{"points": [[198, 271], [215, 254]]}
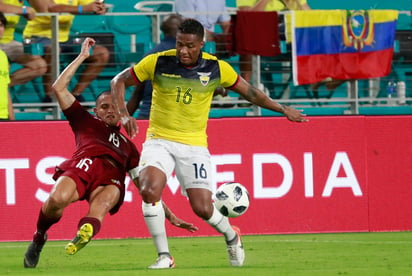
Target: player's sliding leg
{"points": [[32, 255], [154, 217], [88, 227], [232, 235]]}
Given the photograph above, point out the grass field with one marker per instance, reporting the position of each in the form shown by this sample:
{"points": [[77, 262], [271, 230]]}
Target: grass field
{"points": [[307, 254]]}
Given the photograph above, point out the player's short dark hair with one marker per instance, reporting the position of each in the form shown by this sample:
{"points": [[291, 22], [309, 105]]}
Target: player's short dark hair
{"points": [[3, 19], [192, 26], [107, 92]]}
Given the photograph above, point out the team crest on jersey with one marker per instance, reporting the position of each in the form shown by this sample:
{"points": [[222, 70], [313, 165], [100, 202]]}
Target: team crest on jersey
{"points": [[204, 78]]}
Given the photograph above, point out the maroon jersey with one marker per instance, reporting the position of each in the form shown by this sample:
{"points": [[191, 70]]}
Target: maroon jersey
{"points": [[95, 138], [98, 147]]}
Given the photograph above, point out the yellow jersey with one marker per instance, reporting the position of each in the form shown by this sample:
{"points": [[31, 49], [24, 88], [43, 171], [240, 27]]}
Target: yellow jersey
{"points": [[12, 21], [41, 25], [4, 86], [182, 95]]}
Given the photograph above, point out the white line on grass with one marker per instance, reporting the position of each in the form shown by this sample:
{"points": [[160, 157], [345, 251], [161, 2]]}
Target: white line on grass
{"points": [[116, 242]]}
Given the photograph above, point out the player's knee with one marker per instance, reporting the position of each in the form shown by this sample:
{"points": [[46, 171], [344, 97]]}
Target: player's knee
{"points": [[57, 201], [41, 66], [37, 64], [149, 190], [151, 186], [150, 194], [203, 211]]}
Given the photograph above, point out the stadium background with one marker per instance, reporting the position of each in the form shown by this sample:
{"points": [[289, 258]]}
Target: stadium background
{"points": [[128, 37], [334, 174]]}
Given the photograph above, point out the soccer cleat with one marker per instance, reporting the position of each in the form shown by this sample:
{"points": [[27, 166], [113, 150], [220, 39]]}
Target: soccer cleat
{"points": [[236, 251], [31, 258], [163, 261], [83, 237]]}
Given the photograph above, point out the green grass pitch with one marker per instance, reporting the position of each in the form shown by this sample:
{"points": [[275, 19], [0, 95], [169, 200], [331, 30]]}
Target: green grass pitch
{"points": [[295, 254]]}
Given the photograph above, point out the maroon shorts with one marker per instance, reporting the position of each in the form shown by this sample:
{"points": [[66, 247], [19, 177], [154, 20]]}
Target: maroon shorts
{"points": [[90, 173]]}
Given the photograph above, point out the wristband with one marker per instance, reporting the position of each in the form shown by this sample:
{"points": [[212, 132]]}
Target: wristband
{"points": [[79, 9], [24, 10]]}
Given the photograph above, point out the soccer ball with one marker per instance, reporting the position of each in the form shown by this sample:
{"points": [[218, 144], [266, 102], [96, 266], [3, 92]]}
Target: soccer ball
{"points": [[232, 199]]}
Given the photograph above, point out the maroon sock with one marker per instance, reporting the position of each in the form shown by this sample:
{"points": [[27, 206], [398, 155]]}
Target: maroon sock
{"points": [[43, 224], [93, 221]]}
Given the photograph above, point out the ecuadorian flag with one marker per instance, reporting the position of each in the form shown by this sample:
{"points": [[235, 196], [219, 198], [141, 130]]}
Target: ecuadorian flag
{"points": [[342, 44]]}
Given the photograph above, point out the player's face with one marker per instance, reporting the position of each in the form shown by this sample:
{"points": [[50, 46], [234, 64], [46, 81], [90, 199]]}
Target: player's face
{"points": [[188, 47], [106, 111]]}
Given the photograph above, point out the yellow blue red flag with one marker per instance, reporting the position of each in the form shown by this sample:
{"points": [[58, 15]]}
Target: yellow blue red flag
{"points": [[342, 44]]}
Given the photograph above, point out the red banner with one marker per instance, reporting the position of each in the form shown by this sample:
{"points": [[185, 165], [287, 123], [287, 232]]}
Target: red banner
{"points": [[332, 174]]}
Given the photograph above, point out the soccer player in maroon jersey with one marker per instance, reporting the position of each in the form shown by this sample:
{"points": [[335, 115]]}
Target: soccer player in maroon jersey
{"points": [[95, 172]]}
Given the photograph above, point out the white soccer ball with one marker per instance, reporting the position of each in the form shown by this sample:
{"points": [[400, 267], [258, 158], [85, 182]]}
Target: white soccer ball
{"points": [[232, 199]]}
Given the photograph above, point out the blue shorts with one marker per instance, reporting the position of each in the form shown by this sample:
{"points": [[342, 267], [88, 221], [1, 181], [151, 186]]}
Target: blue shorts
{"points": [[71, 46]]}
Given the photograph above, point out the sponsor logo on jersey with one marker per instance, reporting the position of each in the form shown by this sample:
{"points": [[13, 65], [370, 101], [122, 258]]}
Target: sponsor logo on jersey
{"points": [[115, 181], [171, 75]]}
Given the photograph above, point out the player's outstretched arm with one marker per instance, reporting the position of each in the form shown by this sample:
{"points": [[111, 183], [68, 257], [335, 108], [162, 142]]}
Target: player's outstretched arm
{"points": [[63, 95], [118, 87], [177, 221], [257, 97]]}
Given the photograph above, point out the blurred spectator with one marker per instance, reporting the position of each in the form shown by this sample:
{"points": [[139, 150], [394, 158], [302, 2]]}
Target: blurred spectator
{"points": [[143, 94], [208, 13], [245, 61], [6, 106], [39, 31], [33, 65]]}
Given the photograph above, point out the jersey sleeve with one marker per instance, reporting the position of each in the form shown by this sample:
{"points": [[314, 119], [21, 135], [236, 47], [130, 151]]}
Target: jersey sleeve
{"points": [[228, 75], [134, 173], [144, 69], [76, 112]]}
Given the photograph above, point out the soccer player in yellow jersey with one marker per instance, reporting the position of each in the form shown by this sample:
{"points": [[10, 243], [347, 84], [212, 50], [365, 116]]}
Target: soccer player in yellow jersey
{"points": [[184, 80]]}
